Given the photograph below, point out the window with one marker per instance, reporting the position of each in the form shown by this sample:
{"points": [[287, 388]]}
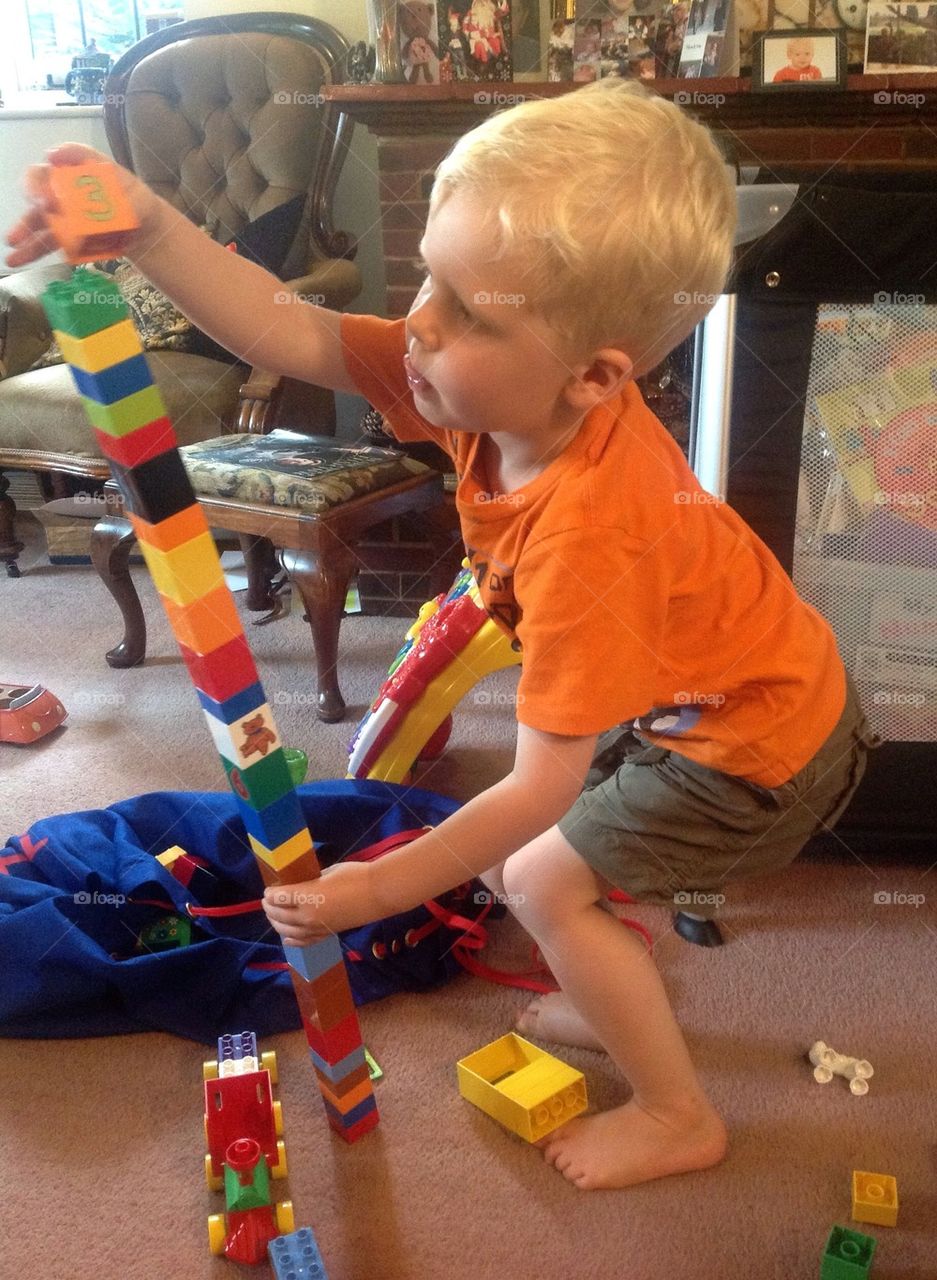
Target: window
{"points": [[50, 33]]}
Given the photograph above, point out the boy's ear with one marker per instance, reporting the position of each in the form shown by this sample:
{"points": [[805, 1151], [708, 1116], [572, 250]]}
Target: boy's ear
{"points": [[601, 378]]}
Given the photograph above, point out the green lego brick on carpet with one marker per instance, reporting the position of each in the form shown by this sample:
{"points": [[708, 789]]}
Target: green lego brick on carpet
{"points": [[847, 1256]]}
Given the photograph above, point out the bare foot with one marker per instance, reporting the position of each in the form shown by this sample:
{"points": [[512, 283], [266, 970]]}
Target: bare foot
{"points": [[553, 1017], [630, 1145]]}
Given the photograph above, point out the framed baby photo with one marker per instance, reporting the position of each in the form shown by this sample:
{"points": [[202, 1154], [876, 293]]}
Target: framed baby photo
{"points": [[801, 58]]}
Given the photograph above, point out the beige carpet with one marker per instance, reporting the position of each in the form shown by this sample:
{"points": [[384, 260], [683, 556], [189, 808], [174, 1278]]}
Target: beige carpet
{"points": [[102, 1139]]}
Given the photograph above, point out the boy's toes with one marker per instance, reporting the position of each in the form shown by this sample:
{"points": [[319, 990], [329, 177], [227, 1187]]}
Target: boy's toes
{"points": [[528, 1022]]}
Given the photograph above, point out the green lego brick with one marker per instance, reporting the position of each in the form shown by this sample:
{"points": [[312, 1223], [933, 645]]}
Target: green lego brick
{"points": [[166, 934], [374, 1071], [847, 1256], [84, 303], [264, 782], [253, 1196], [124, 416]]}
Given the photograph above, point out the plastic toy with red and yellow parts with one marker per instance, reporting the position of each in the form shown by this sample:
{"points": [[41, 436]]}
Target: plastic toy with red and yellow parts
{"points": [[243, 1124], [450, 647]]}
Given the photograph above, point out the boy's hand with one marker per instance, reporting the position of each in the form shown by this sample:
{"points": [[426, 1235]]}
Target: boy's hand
{"points": [[32, 237], [342, 898]]}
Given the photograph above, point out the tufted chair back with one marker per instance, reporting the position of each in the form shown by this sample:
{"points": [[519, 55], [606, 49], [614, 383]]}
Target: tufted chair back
{"points": [[224, 118]]}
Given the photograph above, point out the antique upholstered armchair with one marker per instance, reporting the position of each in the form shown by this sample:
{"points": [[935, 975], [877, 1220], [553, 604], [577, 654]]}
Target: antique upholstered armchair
{"points": [[224, 118]]}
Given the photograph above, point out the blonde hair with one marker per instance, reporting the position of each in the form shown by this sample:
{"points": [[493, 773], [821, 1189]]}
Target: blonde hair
{"points": [[619, 209]]}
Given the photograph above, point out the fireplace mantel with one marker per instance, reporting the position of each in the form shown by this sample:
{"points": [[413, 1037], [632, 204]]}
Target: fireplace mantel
{"points": [[856, 127]]}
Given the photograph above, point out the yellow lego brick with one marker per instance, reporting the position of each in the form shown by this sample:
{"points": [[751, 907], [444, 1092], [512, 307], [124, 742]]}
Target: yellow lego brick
{"points": [[187, 572], [284, 853], [170, 856], [100, 350], [874, 1198], [524, 1088]]}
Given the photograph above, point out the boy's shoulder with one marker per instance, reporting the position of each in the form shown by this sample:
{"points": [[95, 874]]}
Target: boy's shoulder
{"points": [[629, 470]]}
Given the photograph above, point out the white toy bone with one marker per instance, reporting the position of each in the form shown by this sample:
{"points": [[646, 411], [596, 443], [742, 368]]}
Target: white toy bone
{"points": [[827, 1063]]}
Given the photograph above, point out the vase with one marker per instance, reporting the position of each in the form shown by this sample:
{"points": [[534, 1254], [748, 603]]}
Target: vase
{"points": [[383, 35]]}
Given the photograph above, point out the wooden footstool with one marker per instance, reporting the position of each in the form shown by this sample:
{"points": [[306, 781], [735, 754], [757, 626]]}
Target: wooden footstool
{"points": [[304, 499]]}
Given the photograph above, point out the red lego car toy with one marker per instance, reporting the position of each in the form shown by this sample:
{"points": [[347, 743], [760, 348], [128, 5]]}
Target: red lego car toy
{"points": [[28, 713], [243, 1124]]}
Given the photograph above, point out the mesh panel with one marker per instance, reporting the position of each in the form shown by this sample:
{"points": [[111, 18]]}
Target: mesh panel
{"points": [[866, 546]]}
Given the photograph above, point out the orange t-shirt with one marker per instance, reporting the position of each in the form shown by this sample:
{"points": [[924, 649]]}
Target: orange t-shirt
{"points": [[634, 595], [796, 74]]}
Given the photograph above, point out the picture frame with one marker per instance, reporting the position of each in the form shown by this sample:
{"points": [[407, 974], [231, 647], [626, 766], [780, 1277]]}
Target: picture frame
{"points": [[800, 60], [475, 40]]}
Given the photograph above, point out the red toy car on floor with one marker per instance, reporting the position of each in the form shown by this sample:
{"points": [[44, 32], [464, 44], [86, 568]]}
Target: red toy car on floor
{"points": [[28, 712]]}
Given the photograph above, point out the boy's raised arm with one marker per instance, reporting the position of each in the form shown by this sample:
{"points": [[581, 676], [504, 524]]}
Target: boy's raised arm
{"points": [[234, 301]]}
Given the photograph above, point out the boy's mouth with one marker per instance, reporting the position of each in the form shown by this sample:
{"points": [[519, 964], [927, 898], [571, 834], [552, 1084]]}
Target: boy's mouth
{"points": [[416, 380]]}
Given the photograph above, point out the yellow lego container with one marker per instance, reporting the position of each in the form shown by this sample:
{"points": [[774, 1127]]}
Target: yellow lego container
{"points": [[522, 1087], [874, 1198]]}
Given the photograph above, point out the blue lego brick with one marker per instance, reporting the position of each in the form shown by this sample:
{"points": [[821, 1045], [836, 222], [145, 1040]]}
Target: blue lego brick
{"points": [[337, 1071], [242, 1044], [296, 1256], [315, 958], [237, 706], [275, 824], [109, 385], [351, 1117]]}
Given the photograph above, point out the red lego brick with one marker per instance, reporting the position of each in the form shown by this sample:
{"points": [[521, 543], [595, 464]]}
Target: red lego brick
{"points": [[138, 446], [223, 672]]}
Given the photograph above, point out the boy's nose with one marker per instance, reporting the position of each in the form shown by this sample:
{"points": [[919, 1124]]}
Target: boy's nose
{"points": [[420, 325]]}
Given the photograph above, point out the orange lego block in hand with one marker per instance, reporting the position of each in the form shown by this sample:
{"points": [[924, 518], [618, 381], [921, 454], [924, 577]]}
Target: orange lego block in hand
{"points": [[94, 213]]}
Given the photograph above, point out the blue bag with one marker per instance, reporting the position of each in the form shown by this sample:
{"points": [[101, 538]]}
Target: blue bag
{"points": [[76, 891]]}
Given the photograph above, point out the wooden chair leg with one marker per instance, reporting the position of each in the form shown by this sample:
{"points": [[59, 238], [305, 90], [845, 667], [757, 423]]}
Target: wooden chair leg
{"points": [[322, 579], [10, 546], [260, 557], [112, 540]]}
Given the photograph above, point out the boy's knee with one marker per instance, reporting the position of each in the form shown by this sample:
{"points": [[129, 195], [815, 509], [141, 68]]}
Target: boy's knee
{"points": [[536, 889]]}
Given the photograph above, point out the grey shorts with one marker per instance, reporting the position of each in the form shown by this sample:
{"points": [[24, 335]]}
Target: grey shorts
{"points": [[671, 831]]}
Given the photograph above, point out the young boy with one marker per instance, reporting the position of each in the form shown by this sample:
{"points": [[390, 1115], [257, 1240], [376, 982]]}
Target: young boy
{"points": [[571, 243], [799, 62]]}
